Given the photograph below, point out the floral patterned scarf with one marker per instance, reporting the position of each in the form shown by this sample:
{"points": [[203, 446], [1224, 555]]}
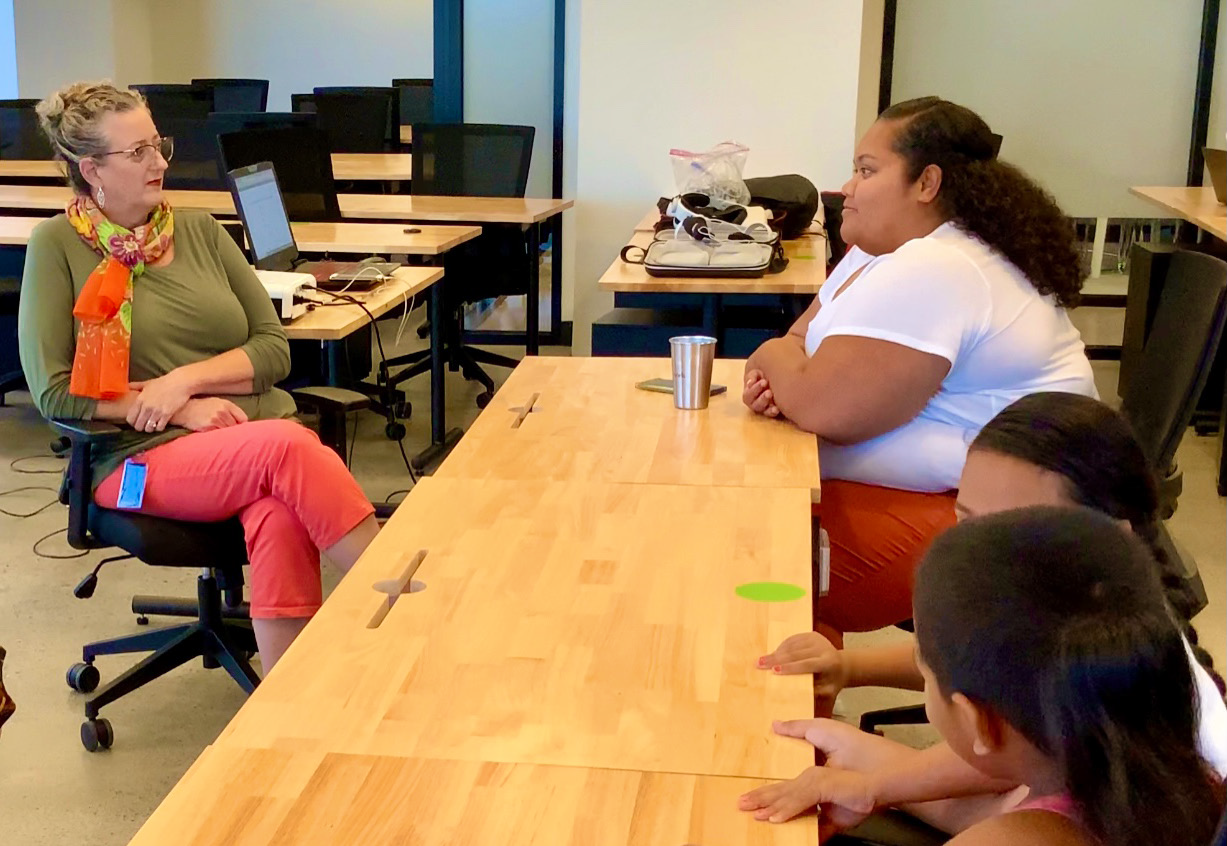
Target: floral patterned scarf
{"points": [[104, 306]]}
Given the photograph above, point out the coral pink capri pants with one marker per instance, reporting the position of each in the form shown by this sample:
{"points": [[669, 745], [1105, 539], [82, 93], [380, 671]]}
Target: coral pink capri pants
{"points": [[293, 495]]}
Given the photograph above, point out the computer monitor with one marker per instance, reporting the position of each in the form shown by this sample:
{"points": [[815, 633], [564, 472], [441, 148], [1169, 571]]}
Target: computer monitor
{"points": [[257, 198]]}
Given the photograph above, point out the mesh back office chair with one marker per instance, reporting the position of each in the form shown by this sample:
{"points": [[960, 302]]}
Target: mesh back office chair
{"points": [[223, 123], [1158, 404], [303, 163], [176, 101], [195, 165], [359, 119], [417, 100], [236, 95], [474, 160], [302, 103], [20, 136]]}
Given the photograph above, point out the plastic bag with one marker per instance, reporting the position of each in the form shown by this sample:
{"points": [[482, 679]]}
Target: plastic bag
{"points": [[715, 172]]}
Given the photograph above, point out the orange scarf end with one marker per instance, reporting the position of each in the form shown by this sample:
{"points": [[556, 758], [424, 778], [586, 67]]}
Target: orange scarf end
{"points": [[103, 292]]}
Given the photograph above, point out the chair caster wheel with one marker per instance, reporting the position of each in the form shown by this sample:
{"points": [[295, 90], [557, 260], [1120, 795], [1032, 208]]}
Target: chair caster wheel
{"points": [[97, 734], [483, 399], [142, 620], [403, 410], [83, 678], [395, 431]]}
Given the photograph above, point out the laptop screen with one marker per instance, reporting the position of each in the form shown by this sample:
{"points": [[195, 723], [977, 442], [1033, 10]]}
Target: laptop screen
{"points": [[259, 201]]}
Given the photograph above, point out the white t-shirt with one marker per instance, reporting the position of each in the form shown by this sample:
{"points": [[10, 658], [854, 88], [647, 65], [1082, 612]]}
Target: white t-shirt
{"points": [[948, 294], [1211, 717]]}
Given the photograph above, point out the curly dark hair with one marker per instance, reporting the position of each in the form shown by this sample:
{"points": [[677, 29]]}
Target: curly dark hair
{"points": [[992, 200]]}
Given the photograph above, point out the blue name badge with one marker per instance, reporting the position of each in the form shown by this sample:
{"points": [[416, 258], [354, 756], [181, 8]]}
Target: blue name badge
{"points": [[132, 485]]}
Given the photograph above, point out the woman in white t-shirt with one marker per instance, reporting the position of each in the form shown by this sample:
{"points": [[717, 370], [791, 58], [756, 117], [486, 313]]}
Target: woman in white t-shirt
{"points": [[949, 305]]}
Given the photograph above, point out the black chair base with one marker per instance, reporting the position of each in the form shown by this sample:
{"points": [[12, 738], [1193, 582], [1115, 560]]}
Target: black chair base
{"points": [[210, 637]]}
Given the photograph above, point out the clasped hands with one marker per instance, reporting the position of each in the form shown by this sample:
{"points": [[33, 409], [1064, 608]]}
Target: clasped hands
{"points": [[168, 400]]}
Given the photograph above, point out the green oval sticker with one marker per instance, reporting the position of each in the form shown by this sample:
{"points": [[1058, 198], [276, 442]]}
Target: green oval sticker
{"points": [[770, 591]]}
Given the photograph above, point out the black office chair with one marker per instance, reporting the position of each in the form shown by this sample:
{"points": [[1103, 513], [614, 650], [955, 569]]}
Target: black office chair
{"points": [[176, 100], [302, 103], [221, 632], [236, 95], [196, 164], [473, 160], [359, 119], [223, 123], [832, 220], [11, 377], [20, 135], [417, 100], [303, 163], [1169, 376]]}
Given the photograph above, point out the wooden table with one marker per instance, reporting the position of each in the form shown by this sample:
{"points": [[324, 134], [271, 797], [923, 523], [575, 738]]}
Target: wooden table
{"points": [[421, 208], [335, 322], [589, 421], [383, 238], [406, 134], [350, 167], [1198, 206], [251, 797], [805, 274], [563, 623]]}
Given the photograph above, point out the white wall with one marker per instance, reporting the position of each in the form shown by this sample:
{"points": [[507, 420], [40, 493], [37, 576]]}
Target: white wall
{"points": [[509, 74], [780, 77], [1092, 97], [62, 41], [295, 44]]}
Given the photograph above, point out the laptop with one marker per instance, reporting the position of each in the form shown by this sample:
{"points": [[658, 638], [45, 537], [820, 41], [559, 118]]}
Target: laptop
{"points": [[257, 198], [1216, 163]]}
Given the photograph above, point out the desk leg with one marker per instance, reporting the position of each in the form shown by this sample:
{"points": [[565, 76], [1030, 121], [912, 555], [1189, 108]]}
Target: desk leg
{"points": [[532, 318], [440, 440]]}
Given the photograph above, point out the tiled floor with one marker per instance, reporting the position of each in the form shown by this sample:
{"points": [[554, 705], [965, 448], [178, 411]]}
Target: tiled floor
{"points": [[53, 792]]}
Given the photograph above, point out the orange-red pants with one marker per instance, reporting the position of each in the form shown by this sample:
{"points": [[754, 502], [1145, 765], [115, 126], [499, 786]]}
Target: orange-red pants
{"points": [[293, 495], [878, 536]]}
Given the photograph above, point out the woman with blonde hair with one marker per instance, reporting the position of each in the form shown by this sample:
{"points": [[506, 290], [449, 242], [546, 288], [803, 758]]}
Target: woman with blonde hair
{"points": [[149, 317]]}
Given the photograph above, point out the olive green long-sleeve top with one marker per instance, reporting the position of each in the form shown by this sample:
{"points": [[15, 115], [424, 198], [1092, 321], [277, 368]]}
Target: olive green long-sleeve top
{"points": [[204, 302]]}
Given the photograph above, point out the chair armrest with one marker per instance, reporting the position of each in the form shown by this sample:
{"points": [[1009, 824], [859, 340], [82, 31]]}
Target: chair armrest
{"points": [[332, 400], [86, 431], [77, 490]]}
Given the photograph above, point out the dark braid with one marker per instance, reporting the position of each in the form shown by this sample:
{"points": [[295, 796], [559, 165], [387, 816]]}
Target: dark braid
{"points": [[988, 198], [1093, 448]]}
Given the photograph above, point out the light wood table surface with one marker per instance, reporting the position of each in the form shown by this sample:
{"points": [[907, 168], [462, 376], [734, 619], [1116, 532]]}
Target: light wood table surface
{"points": [[371, 206], [253, 797], [334, 322], [1198, 206], [562, 623], [589, 421], [320, 237], [406, 134], [351, 167], [805, 274]]}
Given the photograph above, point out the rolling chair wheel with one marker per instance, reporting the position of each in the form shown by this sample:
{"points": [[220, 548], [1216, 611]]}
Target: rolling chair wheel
{"points": [[142, 620], [83, 678], [97, 734], [395, 431], [403, 410], [483, 399]]}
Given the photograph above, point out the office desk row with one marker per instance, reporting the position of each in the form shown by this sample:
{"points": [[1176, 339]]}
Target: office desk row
{"points": [[545, 651], [349, 167]]}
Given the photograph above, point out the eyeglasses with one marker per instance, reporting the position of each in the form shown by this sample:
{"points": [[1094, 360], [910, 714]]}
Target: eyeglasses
{"points": [[142, 153]]}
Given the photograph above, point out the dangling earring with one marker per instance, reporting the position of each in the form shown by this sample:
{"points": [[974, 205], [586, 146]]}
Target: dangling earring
{"points": [[102, 198], [978, 747]]}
